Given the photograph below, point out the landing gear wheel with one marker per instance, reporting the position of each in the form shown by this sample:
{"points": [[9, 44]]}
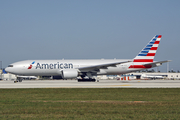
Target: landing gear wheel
{"points": [[86, 80], [15, 81]]}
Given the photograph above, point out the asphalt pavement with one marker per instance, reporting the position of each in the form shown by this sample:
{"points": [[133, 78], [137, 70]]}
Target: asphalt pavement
{"points": [[100, 84]]}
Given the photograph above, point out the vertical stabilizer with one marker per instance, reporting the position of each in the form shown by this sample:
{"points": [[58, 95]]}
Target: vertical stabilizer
{"points": [[148, 53]]}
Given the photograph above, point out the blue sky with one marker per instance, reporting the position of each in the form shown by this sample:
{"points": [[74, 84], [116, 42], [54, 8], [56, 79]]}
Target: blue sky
{"points": [[88, 29]]}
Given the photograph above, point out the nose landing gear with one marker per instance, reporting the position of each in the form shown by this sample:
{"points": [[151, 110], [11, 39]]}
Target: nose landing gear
{"points": [[18, 80]]}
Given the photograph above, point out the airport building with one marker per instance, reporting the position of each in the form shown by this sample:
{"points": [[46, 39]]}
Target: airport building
{"points": [[155, 75], [130, 76]]}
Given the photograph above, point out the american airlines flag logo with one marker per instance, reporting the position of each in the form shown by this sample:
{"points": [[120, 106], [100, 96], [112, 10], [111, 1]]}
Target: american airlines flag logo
{"points": [[31, 65]]}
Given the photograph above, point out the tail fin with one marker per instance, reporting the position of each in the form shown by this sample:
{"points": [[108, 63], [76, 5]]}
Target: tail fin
{"points": [[148, 53]]}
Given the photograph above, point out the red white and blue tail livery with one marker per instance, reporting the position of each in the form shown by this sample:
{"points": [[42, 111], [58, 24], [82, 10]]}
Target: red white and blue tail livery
{"points": [[145, 58], [148, 53]]}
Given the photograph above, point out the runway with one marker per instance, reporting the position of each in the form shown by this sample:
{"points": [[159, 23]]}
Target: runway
{"points": [[100, 84]]}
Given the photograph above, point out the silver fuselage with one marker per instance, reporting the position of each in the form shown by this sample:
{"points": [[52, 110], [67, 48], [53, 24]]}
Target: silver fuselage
{"points": [[53, 67]]}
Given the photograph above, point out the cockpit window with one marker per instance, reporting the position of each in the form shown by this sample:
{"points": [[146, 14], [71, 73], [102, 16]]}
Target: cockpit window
{"points": [[10, 65]]}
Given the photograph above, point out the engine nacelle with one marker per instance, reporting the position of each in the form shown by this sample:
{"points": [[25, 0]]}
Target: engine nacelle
{"points": [[69, 73]]}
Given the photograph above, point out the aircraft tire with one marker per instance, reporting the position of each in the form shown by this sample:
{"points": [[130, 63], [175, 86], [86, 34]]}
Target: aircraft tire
{"points": [[86, 80], [15, 81]]}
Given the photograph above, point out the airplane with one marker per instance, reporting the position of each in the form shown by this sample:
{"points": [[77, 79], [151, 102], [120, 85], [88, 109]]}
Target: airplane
{"points": [[70, 69], [144, 76]]}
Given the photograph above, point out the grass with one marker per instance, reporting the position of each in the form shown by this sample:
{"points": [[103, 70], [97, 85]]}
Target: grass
{"points": [[97, 104]]}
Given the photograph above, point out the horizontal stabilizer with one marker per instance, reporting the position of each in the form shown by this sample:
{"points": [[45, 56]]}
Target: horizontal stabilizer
{"points": [[155, 64]]}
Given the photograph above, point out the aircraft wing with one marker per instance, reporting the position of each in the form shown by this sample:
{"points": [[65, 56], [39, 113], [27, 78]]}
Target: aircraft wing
{"points": [[155, 64], [101, 66]]}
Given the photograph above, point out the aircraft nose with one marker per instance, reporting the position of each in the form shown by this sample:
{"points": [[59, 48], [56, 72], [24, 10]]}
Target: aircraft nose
{"points": [[7, 69]]}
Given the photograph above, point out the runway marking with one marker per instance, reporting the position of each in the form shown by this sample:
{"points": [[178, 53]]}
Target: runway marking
{"points": [[103, 86], [121, 85]]}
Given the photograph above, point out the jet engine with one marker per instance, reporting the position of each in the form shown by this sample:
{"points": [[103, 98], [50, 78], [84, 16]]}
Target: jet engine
{"points": [[69, 73]]}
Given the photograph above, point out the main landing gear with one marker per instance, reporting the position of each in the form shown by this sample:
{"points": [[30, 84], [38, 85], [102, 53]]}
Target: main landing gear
{"points": [[87, 80]]}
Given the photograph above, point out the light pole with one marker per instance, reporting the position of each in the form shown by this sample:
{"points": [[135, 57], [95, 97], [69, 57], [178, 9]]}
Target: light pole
{"points": [[1, 70]]}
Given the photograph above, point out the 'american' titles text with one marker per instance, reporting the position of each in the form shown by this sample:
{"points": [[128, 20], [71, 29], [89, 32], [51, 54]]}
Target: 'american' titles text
{"points": [[54, 66]]}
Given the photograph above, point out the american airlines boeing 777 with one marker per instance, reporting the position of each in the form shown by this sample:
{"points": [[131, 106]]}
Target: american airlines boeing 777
{"points": [[88, 68]]}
